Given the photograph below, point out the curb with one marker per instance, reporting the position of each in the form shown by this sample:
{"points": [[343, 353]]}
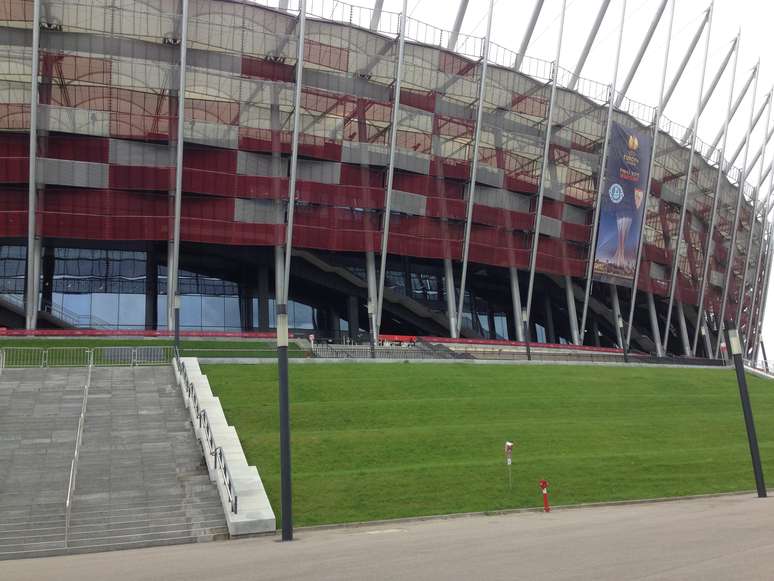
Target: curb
{"points": [[509, 511]]}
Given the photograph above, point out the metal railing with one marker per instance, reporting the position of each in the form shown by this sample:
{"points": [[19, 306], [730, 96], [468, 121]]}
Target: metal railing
{"points": [[434, 352], [212, 449], [76, 453], [21, 357]]}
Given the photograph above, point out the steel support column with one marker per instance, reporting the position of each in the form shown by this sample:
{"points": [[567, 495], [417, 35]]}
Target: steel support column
{"points": [[753, 125], [528, 34], [747, 257], [714, 83], [33, 281], [683, 330], [516, 299], [572, 315], [687, 57], [590, 42], [740, 198], [656, 121], [371, 305], [601, 180], [736, 105], [765, 237], [765, 294], [545, 164], [173, 270], [451, 296], [455, 33], [474, 166], [376, 15], [279, 269], [713, 217], [616, 314], [391, 167], [681, 228], [294, 149], [654, 324], [643, 48]]}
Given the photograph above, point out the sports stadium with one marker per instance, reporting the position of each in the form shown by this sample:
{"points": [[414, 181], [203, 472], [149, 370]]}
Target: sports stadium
{"points": [[411, 180]]}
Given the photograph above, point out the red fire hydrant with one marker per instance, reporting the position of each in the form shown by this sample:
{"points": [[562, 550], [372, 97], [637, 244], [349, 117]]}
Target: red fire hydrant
{"points": [[544, 489]]}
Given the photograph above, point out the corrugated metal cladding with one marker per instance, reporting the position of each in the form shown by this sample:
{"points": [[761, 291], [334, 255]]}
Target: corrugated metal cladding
{"points": [[108, 103]]}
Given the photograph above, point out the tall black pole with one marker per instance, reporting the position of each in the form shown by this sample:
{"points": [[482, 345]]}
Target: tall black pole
{"points": [[734, 347], [284, 410]]}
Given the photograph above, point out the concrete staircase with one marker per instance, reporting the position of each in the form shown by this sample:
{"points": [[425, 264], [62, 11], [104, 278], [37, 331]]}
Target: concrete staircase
{"points": [[39, 410], [141, 480]]}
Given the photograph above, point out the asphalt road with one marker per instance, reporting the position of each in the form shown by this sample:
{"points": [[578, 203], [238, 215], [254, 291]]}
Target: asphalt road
{"points": [[723, 538]]}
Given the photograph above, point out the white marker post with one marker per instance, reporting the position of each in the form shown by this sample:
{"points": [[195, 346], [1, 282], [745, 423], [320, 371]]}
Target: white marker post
{"points": [[509, 462]]}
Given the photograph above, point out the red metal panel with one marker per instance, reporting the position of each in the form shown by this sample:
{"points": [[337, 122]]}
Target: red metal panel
{"points": [[424, 100], [210, 159], [209, 182], [444, 208], [267, 69], [127, 177], [262, 187], [338, 195], [13, 213], [77, 148]]}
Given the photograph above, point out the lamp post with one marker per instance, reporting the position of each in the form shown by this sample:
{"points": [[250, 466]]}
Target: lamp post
{"points": [[525, 321], [734, 346]]}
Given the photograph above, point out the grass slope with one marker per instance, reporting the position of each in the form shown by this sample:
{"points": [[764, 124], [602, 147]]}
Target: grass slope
{"points": [[382, 441]]}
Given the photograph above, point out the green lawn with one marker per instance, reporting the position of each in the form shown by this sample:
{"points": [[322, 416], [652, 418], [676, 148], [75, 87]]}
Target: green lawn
{"points": [[374, 441], [189, 347]]}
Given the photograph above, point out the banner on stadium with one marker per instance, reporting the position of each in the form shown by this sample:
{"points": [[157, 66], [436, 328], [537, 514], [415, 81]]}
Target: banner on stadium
{"points": [[622, 205]]}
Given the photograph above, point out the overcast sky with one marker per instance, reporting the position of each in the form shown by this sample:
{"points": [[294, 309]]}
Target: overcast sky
{"points": [[752, 17]]}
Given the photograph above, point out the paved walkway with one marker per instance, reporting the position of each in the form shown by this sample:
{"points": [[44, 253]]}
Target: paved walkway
{"points": [[729, 537]]}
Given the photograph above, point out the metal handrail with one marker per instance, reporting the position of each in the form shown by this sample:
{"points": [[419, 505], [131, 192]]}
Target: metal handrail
{"points": [[77, 452], [204, 424], [21, 357]]}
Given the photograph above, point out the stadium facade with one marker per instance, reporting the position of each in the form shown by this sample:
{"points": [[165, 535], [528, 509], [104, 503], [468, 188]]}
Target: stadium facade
{"points": [[108, 230]]}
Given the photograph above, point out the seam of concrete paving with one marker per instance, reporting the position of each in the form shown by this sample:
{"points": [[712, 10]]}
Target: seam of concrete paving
{"points": [[507, 511]]}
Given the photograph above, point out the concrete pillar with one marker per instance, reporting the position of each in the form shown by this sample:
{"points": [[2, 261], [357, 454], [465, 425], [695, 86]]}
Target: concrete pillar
{"points": [[616, 314], [571, 313], [451, 297], [263, 297], [151, 289], [47, 290], [550, 330], [372, 299], [353, 316], [654, 325], [683, 329], [516, 298]]}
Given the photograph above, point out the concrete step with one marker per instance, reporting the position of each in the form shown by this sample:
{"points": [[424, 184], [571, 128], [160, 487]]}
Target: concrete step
{"points": [[149, 539], [115, 531], [161, 518]]}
